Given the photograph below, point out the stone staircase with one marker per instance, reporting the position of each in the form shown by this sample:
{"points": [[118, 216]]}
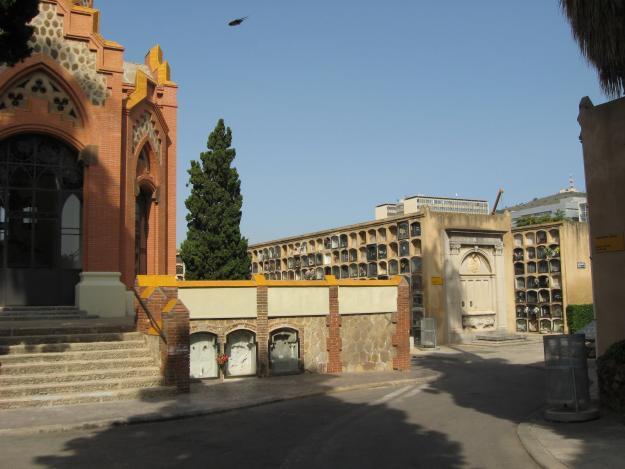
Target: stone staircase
{"points": [[39, 313], [73, 361]]}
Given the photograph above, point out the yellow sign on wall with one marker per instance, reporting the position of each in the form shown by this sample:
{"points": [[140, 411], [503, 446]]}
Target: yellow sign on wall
{"points": [[437, 280], [610, 243]]}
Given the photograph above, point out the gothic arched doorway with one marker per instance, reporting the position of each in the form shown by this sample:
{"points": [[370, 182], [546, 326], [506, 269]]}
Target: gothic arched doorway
{"points": [[142, 227], [143, 205], [41, 183]]}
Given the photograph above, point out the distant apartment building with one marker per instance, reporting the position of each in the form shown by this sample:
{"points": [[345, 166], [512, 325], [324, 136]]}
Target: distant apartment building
{"points": [[415, 203], [572, 203]]}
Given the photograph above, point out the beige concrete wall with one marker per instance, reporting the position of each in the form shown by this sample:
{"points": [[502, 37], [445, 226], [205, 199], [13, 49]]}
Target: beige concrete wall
{"points": [[223, 303], [575, 248], [434, 226], [298, 301], [603, 142], [360, 300]]}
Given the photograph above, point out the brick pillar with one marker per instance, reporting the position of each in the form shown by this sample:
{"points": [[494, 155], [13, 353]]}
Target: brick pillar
{"points": [[170, 292], [401, 337], [155, 299], [175, 354], [262, 330], [333, 321]]}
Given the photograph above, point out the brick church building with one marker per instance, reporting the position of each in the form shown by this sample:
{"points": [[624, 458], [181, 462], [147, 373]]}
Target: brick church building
{"points": [[87, 166]]}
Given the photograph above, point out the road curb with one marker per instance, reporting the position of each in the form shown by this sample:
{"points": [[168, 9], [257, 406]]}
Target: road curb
{"points": [[541, 455], [186, 414]]}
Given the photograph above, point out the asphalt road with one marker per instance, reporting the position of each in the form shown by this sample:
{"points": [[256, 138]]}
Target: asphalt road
{"points": [[466, 418]]}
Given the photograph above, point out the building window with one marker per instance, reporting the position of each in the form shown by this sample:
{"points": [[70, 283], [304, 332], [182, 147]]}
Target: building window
{"points": [[381, 251], [372, 252], [404, 266], [402, 230], [415, 229], [343, 241], [404, 248]]}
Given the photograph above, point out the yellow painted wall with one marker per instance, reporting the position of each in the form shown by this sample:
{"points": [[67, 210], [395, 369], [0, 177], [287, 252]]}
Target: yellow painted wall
{"points": [[219, 303], [575, 247], [359, 300], [298, 301]]}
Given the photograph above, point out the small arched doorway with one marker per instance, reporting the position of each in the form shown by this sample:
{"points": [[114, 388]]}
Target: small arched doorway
{"points": [[284, 351], [203, 355], [241, 350], [41, 185]]}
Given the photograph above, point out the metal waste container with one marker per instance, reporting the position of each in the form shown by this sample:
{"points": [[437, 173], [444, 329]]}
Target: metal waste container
{"points": [[567, 379], [428, 332]]}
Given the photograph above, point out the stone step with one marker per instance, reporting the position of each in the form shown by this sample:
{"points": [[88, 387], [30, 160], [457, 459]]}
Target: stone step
{"points": [[69, 338], [41, 317], [90, 355], [12, 392], [38, 308], [7, 381], [51, 329], [70, 347], [74, 366], [87, 397]]}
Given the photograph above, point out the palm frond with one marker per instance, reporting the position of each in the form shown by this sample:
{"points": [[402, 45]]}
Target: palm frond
{"points": [[599, 28]]}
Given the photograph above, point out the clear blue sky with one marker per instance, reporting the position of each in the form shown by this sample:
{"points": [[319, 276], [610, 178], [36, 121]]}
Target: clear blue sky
{"points": [[337, 106]]}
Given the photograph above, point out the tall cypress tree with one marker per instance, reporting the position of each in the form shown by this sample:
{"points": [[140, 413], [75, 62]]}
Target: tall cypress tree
{"points": [[214, 248]]}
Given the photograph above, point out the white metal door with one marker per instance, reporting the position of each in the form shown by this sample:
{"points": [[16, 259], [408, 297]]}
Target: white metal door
{"points": [[203, 355]]}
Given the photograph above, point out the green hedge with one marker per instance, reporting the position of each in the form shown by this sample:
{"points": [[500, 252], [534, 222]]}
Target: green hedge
{"points": [[578, 316], [611, 374]]}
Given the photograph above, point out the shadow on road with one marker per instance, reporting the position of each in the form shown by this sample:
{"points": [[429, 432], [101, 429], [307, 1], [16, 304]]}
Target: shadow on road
{"points": [[364, 429], [323, 431]]}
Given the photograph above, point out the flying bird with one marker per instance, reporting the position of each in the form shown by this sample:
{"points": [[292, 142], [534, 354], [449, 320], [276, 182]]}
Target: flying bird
{"points": [[237, 22]]}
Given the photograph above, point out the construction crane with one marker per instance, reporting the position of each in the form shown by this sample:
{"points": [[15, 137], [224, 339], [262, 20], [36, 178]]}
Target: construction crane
{"points": [[497, 199]]}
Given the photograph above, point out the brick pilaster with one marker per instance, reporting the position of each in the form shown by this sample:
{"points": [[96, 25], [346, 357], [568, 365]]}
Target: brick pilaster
{"points": [[155, 299], [401, 336], [170, 292], [175, 354], [333, 322], [262, 330]]}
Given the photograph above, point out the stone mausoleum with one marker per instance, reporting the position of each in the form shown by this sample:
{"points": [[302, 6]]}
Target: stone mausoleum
{"points": [[87, 166]]}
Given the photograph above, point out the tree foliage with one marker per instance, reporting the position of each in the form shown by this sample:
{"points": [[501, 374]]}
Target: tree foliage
{"points": [[15, 30], [599, 28], [528, 220], [214, 248]]}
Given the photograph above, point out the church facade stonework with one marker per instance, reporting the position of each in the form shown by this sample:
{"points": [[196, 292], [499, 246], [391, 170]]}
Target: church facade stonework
{"points": [[118, 121]]}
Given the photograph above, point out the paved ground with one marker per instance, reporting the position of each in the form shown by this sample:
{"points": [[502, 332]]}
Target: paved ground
{"points": [[209, 397], [465, 416]]}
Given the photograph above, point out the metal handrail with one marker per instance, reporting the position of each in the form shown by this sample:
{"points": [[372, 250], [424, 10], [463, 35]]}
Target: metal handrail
{"points": [[150, 317]]}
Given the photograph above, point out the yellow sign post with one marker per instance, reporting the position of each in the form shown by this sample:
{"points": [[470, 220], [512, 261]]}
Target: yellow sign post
{"points": [[609, 243], [437, 280]]}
